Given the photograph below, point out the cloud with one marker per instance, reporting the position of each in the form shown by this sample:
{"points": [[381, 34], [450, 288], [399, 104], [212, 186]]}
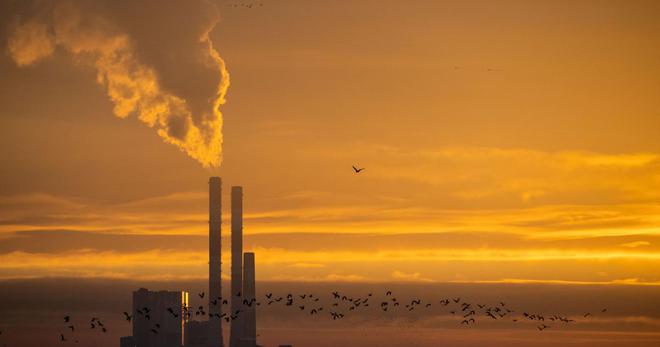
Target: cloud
{"points": [[622, 281], [141, 256], [308, 265], [636, 244], [415, 276], [397, 224], [344, 278]]}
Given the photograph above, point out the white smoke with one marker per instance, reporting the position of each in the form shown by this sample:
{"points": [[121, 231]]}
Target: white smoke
{"points": [[94, 39]]}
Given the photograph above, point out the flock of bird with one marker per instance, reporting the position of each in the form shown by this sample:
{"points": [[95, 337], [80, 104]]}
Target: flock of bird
{"points": [[341, 306], [94, 323], [467, 313]]}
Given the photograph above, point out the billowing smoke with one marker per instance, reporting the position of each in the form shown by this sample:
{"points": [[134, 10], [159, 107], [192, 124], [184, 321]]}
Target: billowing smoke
{"points": [[155, 59]]}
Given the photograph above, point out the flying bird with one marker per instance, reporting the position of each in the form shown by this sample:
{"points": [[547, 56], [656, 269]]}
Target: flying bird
{"points": [[357, 170]]}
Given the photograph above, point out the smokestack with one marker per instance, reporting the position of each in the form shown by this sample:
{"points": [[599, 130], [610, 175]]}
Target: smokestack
{"points": [[250, 314], [236, 333], [215, 263]]}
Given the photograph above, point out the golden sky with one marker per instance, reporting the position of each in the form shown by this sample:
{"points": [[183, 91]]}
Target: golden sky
{"points": [[508, 141]]}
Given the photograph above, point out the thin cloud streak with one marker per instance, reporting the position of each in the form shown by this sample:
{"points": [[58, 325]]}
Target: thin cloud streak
{"points": [[280, 264]]}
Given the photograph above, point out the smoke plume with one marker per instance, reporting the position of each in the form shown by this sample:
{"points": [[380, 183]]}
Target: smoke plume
{"points": [[151, 59]]}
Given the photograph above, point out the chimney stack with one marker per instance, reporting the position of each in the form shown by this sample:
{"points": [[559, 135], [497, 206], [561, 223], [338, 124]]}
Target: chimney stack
{"points": [[215, 265], [250, 313], [236, 333]]}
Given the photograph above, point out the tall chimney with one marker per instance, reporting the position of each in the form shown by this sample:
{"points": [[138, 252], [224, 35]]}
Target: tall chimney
{"points": [[250, 314], [215, 263], [236, 333]]}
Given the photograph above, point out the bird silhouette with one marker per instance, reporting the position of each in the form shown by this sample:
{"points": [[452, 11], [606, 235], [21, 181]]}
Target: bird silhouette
{"points": [[357, 170]]}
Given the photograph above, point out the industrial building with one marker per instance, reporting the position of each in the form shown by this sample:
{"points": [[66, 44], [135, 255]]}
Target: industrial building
{"points": [[126, 341], [197, 333], [160, 319]]}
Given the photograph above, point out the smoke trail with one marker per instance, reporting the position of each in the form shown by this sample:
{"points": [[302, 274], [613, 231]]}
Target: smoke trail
{"points": [[94, 40]]}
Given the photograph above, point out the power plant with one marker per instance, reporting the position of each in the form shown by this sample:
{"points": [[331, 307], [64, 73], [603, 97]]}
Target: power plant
{"points": [[163, 318]]}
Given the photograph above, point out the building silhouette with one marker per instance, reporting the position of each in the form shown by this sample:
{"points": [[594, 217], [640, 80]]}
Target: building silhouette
{"points": [[159, 318], [197, 333], [126, 341]]}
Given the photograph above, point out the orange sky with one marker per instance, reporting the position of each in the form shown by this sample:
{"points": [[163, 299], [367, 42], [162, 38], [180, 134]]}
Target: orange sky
{"points": [[503, 141]]}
